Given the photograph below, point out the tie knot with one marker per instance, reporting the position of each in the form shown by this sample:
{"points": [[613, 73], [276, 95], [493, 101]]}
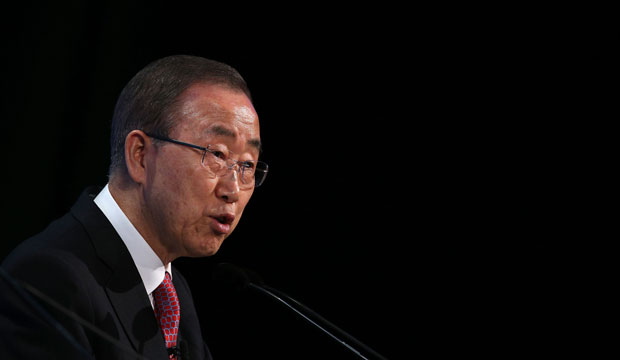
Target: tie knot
{"points": [[167, 283]]}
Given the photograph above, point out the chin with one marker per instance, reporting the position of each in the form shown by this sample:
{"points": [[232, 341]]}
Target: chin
{"points": [[205, 248]]}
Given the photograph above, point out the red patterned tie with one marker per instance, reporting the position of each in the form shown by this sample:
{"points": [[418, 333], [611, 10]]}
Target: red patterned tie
{"points": [[167, 310]]}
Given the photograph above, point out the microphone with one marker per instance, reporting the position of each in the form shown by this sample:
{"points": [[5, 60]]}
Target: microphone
{"points": [[240, 279]]}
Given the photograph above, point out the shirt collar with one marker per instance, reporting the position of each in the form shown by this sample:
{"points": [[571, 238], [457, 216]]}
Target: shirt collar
{"points": [[149, 265]]}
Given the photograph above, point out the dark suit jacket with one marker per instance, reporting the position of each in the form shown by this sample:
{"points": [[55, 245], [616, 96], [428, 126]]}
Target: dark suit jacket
{"points": [[80, 261]]}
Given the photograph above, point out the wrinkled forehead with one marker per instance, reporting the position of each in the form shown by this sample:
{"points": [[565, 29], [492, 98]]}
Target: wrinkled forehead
{"points": [[212, 111], [221, 130]]}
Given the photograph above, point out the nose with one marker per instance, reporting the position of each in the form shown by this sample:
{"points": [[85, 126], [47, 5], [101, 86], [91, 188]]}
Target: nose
{"points": [[228, 187]]}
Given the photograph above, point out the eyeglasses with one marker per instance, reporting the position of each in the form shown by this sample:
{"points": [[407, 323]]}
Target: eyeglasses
{"points": [[250, 173]]}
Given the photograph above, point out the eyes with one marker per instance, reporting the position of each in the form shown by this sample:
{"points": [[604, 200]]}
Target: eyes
{"points": [[222, 157], [218, 162], [248, 165], [218, 154], [251, 173]]}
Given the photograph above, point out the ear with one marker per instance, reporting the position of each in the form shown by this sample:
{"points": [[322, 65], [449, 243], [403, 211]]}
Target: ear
{"points": [[137, 144]]}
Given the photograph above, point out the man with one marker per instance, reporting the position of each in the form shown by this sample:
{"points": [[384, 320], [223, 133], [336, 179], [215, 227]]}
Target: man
{"points": [[185, 144]]}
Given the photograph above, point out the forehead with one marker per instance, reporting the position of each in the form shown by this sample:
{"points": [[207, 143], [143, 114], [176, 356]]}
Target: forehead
{"points": [[207, 111]]}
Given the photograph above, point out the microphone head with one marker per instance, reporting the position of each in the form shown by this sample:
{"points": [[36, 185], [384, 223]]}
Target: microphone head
{"points": [[235, 277]]}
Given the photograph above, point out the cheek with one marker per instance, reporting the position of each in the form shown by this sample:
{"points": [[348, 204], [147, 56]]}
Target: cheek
{"points": [[187, 194], [195, 199]]}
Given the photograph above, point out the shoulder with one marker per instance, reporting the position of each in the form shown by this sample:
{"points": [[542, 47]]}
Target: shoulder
{"points": [[62, 238], [60, 245], [60, 261], [53, 261], [65, 247]]}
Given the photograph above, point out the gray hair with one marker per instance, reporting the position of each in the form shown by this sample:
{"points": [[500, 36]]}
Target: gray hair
{"points": [[148, 101]]}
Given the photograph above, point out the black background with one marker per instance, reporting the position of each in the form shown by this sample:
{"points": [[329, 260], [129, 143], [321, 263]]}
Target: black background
{"points": [[410, 198]]}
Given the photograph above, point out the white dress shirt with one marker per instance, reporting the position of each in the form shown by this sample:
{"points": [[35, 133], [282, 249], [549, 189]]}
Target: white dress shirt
{"points": [[149, 265]]}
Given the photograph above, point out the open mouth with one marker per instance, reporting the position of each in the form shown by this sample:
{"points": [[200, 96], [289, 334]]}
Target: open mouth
{"points": [[226, 219], [222, 223]]}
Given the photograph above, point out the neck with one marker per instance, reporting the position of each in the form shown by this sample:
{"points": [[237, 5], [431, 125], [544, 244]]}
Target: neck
{"points": [[130, 198]]}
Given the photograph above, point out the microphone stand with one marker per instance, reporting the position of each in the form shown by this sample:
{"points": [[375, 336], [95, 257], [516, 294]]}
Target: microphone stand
{"points": [[280, 296]]}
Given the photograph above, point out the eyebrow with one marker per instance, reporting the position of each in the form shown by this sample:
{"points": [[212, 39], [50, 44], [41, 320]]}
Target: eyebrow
{"points": [[222, 131]]}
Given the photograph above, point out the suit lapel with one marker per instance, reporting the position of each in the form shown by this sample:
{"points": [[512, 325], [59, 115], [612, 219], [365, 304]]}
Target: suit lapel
{"points": [[136, 315], [189, 327], [123, 284]]}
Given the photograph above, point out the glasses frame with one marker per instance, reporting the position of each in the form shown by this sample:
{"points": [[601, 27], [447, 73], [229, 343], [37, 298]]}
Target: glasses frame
{"points": [[204, 150]]}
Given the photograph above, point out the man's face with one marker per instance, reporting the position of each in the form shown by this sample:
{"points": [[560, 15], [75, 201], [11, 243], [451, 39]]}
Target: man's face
{"points": [[192, 211]]}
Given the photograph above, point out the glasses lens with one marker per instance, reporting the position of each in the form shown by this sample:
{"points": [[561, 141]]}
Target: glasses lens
{"points": [[246, 172], [250, 173], [261, 173], [216, 165]]}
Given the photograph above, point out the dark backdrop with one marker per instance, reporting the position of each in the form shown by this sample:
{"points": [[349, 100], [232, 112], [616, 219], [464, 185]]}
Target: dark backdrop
{"points": [[409, 193]]}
